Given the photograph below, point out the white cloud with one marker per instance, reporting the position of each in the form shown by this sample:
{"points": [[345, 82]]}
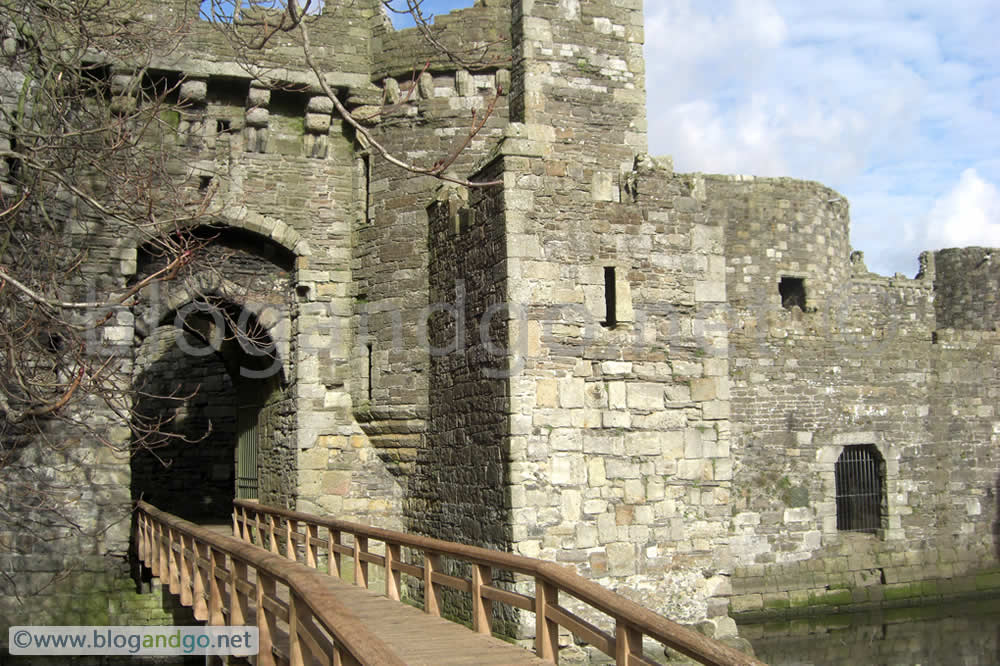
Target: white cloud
{"points": [[886, 101], [967, 215], [883, 100]]}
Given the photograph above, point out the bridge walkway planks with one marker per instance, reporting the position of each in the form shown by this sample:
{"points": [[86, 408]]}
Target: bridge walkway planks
{"points": [[422, 639], [418, 638]]}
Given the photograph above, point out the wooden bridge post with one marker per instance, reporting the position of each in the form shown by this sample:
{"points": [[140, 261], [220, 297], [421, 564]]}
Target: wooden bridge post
{"points": [[270, 535], [546, 631], [184, 564], [482, 609], [266, 622], [173, 571], [217, 560], [291, 528], [628, 641], [312, 549], [199, 583], [159, 554], [393, 577], [334, 556], [141, 537], [360, 566], [295, 647], [239, 604], [432, 593], [148, 549]]}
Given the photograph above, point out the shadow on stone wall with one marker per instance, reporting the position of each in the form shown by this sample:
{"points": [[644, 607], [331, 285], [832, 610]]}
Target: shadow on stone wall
{"points": [[995, 492], [188, 467]]}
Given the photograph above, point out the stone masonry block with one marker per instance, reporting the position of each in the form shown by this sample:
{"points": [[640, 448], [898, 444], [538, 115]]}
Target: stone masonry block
{"points": [[194, 91], [320, 104], [572, 391], [709, 291], [546, 392], [258, 96], [318, 123], [257, 117], [703, 389], [645, 395], [465, 85]]}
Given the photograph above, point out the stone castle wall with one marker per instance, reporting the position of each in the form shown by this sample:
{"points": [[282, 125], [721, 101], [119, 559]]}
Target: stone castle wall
{"points": [[865, 364], [673, 362], [967, 288]]}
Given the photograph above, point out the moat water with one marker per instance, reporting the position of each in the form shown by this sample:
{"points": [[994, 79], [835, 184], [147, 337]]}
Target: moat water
{"points": [[954, 634]]}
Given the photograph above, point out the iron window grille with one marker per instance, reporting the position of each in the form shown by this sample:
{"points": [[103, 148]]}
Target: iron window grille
{"points": [[860, 480]]}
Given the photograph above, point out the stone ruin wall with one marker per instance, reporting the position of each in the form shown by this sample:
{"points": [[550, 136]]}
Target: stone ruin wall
{"points": [[681, 456], [866, 363], [618, 432], [967, 288], [272, 183]]}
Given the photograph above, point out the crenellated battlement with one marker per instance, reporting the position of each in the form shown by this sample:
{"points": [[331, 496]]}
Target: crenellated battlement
{"points": [[648, 376]]}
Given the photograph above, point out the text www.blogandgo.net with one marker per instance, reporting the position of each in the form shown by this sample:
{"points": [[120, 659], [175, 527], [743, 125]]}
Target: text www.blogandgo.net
{"points": [[124, 640]]}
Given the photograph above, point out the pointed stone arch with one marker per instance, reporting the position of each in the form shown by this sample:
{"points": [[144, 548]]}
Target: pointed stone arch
{"points": [[238, 217], [238, 278], [168, 298]]}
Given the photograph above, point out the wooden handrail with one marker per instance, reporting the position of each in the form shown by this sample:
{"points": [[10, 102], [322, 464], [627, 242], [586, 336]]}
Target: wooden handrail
{"points": [[212, 572], [632, 621]]}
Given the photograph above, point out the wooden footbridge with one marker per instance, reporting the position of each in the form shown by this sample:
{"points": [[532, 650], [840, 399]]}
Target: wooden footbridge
{"points": [[271, 574]]}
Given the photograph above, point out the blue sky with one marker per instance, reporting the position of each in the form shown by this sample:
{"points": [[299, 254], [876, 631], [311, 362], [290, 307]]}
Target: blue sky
{"points": [[894, 103]]}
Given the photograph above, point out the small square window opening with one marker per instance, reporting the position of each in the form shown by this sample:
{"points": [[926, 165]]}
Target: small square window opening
{"points": [[793, 292]]}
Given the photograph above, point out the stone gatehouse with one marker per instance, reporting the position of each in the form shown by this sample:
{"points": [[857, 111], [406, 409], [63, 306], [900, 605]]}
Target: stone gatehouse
{"points": [[686, 386]]}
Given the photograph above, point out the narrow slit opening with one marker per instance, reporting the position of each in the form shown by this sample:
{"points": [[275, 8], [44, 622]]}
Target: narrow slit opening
{"points": [[370, 368], [610, 298]]}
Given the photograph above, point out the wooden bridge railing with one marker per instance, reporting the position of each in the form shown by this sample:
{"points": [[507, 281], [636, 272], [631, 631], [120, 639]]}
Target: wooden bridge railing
{"points": [[227, 580], [295, 534]]}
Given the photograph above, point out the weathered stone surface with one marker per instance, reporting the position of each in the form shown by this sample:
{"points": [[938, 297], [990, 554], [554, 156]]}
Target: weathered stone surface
{"points": [[651, 376]]}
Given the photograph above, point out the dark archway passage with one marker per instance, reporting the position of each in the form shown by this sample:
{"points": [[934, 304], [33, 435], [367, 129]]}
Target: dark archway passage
{"points": [[212, 396], [208, 406]]}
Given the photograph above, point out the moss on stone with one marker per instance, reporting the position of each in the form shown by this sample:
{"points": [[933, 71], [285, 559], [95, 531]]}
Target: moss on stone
{"points": [[897, 591]]}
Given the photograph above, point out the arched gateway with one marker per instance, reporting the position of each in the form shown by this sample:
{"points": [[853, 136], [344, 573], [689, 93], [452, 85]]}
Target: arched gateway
{"points": [[213, 378]]}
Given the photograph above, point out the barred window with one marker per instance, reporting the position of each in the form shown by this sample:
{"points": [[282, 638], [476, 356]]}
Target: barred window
{"points": [[860, 478]]}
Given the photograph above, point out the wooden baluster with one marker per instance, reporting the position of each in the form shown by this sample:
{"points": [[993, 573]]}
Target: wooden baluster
{"points": [[334, 565], [217, 559], [199, 583], [184, 564], [546, 631], [266, 622], [298, 650], [312, 549], [173, 572], [291, 528], [147, 537], [482, 609], [628, 641], [236, 524], [140, 536], [360, 566], [244, 531], [160, 561], [239, 604], [432, 593], [393, 577], [270, 534]]}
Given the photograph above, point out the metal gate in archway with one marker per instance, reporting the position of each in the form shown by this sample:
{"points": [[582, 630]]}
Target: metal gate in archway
{"points": [[247, 449]]}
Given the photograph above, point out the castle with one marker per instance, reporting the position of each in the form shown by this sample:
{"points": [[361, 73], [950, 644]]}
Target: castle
{"points": [[686, 386]]}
